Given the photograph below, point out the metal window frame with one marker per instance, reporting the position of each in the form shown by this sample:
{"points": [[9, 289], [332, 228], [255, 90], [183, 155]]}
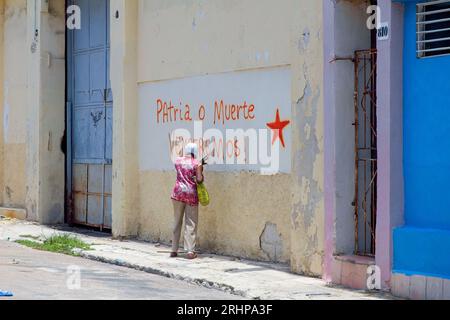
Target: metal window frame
{"points": [[421, 32]]}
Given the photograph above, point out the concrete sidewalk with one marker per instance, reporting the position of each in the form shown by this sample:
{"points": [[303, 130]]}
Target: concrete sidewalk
{"points": [[249, 279]]}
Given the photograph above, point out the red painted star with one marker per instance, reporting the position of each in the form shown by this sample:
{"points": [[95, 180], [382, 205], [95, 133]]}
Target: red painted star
{"points": [[277, 128]]}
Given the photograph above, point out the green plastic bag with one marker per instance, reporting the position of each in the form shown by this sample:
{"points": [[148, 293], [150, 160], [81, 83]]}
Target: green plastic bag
{"points": [[203, 195]]}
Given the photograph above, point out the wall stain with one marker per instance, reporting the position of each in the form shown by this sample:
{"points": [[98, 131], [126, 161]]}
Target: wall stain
{"points": [[271, 243], [304, 40], [9, 192]]}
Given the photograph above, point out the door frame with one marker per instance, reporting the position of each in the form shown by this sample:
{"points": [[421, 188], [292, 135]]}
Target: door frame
{"points": [[68, 125], [70, 80]]}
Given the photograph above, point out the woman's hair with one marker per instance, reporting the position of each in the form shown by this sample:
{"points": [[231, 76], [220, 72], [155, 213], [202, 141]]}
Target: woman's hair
{"points": [[191, 149]]}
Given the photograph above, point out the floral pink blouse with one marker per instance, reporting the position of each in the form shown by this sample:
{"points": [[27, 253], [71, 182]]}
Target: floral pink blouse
{"points": [[185, 189]]}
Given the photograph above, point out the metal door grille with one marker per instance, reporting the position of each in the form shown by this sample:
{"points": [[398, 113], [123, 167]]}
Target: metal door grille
{"points": [[365, 151]]}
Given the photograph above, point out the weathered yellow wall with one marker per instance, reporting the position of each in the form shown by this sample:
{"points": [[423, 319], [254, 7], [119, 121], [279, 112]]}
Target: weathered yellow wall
{"points": [[242, 204], [33, 108], [51, 119], [307, 212], [125, 184], [14, 103], [182, 38], [177, 39]]}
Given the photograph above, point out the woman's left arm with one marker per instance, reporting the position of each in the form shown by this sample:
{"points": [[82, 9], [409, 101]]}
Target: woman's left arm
{"points": [[199, 174]]}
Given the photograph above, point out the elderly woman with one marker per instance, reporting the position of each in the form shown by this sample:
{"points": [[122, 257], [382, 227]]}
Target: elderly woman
{"points": [[185, 200]]}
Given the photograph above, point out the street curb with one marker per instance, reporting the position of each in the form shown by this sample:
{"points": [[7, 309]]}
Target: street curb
{"points": [[197, 281], [148, 260]]}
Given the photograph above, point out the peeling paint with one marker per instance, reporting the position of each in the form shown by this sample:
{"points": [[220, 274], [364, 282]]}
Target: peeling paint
{"points": [[305, 87], [271, 242], [304, 40], [305, 159], [308, 195], [307, 131]]}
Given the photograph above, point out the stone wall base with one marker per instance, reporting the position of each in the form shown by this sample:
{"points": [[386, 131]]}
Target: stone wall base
{"points": [[351, 271], [420, 287]]}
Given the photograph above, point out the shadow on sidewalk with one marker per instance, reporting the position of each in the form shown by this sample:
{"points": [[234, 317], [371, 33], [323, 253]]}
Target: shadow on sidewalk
{"points": [[203, 255]]}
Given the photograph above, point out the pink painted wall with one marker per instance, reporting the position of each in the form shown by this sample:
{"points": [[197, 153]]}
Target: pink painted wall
{"points": [[390, 133], [390, 144]]}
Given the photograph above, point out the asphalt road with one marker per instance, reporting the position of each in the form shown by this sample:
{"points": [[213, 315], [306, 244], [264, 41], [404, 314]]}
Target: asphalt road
{"points": [[35, 275]]}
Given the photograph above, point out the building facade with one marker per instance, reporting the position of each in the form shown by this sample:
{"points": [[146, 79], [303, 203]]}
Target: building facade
{"points": [[410, 228], [96, 150], [421, 265], [311, 119]]}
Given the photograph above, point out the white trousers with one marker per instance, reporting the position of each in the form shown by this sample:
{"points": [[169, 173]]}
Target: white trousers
{"points": [[190, 213]]}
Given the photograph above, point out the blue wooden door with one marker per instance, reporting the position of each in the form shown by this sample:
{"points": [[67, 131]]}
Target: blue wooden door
{"points": [[89, 116]]}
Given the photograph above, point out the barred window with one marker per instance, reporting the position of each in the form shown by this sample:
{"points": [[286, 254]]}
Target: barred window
{"points": [[433, 28]]}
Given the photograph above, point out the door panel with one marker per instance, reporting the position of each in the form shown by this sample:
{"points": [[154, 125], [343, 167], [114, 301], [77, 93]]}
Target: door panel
{"points": [[108, 213], [96, 134], [80, 126], [108, 197], [97, 23], [109, 97], [81, 39], [95, 195], [90, 120], [81, 79], [79, 208], [108, 26], [79, 191], [97, 76]]}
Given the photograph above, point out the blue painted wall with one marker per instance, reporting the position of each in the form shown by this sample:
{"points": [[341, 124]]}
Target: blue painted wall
{"points": [[422, 246]]}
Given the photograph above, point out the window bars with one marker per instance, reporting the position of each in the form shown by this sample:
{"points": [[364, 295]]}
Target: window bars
{"points": [[433, 28], [365, 123]]}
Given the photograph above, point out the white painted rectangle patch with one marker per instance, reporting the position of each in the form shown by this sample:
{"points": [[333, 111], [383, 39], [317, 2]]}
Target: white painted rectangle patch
{"points": [[383, 31], [250, 109]]}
